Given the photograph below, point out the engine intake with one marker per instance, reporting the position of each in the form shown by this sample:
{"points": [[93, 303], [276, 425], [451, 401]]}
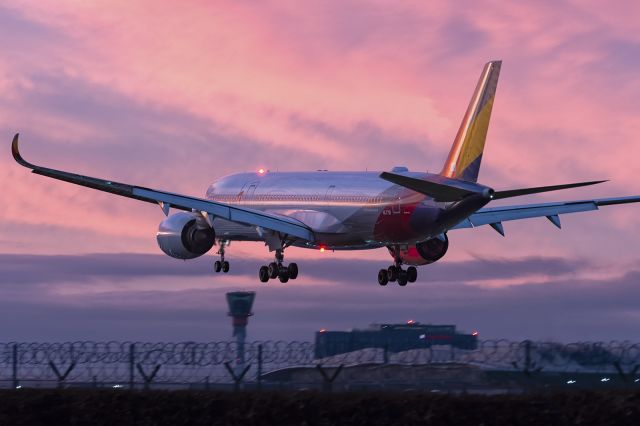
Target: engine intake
{"points": [[185, 236]]}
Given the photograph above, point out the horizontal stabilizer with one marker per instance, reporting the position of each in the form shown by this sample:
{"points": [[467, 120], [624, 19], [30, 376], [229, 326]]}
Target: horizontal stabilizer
{"points": [[438, 191], [526, 191]]}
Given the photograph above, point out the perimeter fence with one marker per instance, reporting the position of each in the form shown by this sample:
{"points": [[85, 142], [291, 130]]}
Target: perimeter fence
{"points": [[193, 364]]}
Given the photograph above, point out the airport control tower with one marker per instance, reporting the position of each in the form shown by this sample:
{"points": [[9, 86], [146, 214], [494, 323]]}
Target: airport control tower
{"points": [[240, 303]]}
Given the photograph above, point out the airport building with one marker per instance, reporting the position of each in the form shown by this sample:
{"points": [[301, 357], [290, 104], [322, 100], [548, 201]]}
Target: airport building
{"points": [[392, 337]]}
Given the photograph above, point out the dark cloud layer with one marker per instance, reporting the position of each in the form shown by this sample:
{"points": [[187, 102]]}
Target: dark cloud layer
{"points": [[343, 295], [51, 269]]}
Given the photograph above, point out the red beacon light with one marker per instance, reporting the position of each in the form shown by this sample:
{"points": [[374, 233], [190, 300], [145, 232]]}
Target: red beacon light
{"points": [[322, 330], [410, 322], [474, 334]]}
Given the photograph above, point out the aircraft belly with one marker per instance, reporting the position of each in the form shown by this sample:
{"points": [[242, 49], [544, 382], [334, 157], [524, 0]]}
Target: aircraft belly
{"points": [[337, 227]]}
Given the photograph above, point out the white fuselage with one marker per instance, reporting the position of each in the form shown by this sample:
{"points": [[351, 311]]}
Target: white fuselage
{"points": [[347, 210]]}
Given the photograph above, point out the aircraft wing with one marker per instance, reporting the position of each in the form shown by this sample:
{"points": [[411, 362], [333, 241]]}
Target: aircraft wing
{"points": [[166, 200], [494, 216]]}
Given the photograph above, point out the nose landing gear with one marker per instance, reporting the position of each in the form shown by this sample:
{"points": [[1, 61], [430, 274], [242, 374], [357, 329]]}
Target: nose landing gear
{"points": [[278, 269]]}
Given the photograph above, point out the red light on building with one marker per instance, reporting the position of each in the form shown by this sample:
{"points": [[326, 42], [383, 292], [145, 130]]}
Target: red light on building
{"points": [[322, 330], [410, 322], [475, 333]]}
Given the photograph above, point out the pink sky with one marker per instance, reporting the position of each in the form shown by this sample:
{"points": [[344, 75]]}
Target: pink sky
{"points": [[173, 97]]}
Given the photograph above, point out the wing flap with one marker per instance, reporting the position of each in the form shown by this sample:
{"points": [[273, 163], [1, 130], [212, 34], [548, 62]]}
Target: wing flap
{"points": [[242, 215], [492, 215]]}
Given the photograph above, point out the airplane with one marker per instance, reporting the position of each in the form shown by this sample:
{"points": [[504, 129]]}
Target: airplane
{"points": [[409, 213]]}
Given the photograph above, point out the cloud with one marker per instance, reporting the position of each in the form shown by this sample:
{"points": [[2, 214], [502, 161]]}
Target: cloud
{"points": [[174, 97], [23, 269], [142, 297]]}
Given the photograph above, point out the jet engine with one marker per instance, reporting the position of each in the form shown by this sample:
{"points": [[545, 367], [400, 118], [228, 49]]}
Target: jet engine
{"points": [[185, 236], [423, 253]]}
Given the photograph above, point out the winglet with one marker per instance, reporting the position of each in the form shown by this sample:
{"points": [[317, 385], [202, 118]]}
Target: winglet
{"points": [[16, 153]]}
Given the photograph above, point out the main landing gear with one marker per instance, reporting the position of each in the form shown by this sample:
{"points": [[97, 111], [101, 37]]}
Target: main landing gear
{"points": [[278, 270], [221, 265], [396, 273]]}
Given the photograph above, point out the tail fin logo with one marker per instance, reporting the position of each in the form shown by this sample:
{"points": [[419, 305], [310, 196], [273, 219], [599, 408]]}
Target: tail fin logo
{"points": [[466, 153]]}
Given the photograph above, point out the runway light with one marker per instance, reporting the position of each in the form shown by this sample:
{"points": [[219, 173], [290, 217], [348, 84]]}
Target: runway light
{"points": [[322, 249], [261, 171], [637, 380], [570, 382], [605, 379], [19, 387]]}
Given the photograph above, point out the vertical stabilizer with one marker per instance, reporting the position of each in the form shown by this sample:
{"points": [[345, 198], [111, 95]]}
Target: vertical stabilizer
{"points": [[466, 154]]}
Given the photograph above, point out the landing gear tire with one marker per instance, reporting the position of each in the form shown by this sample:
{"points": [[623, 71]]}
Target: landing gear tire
{"points": [[383, 277], [402, 278], [263, 274], [273, 270], [392, 272], [412, 274], [221, 265], [293, 271], [277, 269], [283, 276]]}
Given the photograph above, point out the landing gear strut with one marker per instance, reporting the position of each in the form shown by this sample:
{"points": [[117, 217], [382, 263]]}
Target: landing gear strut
{"points": [[396, 273], [277, 269], [221, 265]]}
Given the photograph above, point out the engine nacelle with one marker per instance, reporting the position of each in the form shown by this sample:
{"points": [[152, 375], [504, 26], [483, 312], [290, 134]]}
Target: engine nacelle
{"points": [[185, 236], [423, 253]]}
